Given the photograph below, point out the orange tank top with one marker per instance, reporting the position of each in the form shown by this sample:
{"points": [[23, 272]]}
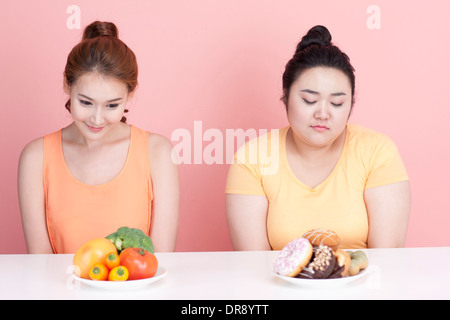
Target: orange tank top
{"points": [[78, 212]]}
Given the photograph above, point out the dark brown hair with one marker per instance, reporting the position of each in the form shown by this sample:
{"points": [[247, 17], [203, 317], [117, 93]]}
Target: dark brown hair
{"points": [[315, 50], [102, 51]]}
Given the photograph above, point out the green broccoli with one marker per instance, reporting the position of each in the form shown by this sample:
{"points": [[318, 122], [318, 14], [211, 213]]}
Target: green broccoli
{"points": [[126, 237]]}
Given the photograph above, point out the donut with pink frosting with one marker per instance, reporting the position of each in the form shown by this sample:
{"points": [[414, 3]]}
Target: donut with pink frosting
{"points": [[293, 257]]}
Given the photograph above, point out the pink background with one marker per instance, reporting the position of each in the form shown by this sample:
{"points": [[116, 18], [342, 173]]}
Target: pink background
{"points": [[220, 62]]}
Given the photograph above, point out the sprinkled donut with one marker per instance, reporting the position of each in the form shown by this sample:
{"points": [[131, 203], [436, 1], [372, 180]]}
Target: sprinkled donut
{"points": [[322, 264], [293, 257]]}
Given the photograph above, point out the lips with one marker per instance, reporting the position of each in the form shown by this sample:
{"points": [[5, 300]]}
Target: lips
{"points": [[94, 129], [320, 128]]}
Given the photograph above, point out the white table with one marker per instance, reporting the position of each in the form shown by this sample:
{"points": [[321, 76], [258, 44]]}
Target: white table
{"points": [[410, 273]]}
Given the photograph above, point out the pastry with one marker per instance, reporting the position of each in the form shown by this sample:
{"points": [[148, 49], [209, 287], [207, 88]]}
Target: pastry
{"points": [[293, 257], [344, 260], [322, 264], [359, 262], [323, 236]]}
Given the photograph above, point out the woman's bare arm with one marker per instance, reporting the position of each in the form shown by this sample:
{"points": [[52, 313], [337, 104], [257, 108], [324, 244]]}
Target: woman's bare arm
{"points": [[247, 221], [388, 208], [165, 181], [31, 198]]}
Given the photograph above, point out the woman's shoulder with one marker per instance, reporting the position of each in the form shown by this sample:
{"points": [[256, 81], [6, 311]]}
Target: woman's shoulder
{"points": [[361, 130], [368, 142], [163, 161], [158, 141], [262, 153], [266, 136], [32, 155], [33, 148], [159, 148], [155, 140], [359, 133], [158, 144]]}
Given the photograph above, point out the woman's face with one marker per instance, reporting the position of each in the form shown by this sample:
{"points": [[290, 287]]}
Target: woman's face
{"points": [[97, 104], [319, 105]]}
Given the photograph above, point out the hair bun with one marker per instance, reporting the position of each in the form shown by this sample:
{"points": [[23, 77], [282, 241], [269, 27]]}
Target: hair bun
{"points": [[318, 35], [99, 28]]}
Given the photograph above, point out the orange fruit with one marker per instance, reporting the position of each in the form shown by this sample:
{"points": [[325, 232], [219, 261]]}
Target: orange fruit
{"points": [[90, 253]]}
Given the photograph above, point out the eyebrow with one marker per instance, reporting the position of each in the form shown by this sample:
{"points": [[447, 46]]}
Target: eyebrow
{"points": [[336, 94], [86, 97]]}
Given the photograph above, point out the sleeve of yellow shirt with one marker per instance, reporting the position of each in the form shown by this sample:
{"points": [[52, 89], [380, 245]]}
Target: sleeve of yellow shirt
{"points": [[386, 165]]}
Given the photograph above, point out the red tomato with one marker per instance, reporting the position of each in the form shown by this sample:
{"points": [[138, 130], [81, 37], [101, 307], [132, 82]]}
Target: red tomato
{"points": [[140, 263]]}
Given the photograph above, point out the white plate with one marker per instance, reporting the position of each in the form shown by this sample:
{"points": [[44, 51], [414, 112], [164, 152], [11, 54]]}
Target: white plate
{"points": [[323, 283], [123, 285]]}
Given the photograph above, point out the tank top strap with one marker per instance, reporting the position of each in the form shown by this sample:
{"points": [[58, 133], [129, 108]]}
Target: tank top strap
{"points": [[139, 148], [52, 146], [53, 158]]}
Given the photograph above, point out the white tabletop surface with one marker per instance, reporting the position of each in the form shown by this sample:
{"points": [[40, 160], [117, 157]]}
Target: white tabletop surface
{"points": [[409, 273]]}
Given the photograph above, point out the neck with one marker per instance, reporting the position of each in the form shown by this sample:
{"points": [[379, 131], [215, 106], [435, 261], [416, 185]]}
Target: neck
{"points": [[315, 155], [74, 135]]}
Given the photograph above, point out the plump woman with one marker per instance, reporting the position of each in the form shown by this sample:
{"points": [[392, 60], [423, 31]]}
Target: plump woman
{"points": [[331, 174]]}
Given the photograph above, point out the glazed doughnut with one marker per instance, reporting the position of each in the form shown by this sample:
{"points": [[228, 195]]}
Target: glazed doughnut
{"points": [[293, 257], [359, 262], [343, 259], [323, 236]]}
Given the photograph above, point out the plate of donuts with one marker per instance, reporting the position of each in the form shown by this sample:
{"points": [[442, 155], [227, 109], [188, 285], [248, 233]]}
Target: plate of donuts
{"points": [[316, 261], [323, 283]]}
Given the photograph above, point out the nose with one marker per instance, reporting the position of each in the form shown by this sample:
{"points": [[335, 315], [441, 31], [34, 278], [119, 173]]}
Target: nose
{"points": [[97, 115], [322, 111]]}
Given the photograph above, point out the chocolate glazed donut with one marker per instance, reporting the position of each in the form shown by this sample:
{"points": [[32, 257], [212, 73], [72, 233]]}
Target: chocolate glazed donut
{"points": [[323, 265]]}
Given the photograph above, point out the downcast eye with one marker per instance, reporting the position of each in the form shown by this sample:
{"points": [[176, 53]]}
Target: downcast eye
{"points": [[309, 102], [86, 103]]}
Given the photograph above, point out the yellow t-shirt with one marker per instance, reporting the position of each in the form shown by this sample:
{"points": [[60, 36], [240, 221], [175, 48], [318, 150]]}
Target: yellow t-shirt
{"points": [[369, 159]]}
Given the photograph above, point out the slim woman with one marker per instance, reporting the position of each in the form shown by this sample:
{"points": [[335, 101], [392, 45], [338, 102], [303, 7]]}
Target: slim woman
{"points": [[99, 173], [331, 174]]}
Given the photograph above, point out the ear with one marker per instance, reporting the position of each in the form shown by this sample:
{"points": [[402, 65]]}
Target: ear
{"points": [[285, 97], [130, 96], [66, 87]]}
